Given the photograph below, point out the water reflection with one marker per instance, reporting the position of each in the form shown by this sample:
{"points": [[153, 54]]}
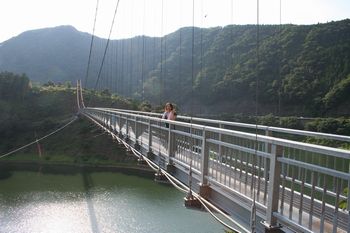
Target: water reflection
{"points": [[88, 184], [95, 202]]}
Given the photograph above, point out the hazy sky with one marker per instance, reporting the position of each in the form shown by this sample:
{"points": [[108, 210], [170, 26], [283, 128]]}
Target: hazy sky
{"points": [[136, 17]]}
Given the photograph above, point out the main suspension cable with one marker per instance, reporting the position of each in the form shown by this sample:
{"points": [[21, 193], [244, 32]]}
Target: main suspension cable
{"points": [[42, 138], [105, 51], [253, 209], [92, 41]]}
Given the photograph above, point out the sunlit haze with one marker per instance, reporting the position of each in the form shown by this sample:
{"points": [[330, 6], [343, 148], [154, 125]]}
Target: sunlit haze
{"points": [[159, 17]]}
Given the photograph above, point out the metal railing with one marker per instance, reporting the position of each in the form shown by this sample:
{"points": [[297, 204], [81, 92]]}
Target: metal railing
{"points": [[295, 184], [262, 129]]}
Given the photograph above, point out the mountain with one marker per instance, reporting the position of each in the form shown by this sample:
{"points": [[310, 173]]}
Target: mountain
{"points": [[302, 69], [57, 54]]}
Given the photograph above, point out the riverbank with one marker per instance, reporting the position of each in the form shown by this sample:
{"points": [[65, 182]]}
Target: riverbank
{"points": [[69, 168]]}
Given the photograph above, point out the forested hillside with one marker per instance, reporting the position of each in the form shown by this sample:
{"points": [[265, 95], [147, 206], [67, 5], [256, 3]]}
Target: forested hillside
{"points": [[303, 70], [28, 113]]}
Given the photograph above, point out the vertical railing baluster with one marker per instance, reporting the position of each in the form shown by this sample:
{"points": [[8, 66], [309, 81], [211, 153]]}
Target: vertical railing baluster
{"points": [[292, 193], [240, 170], [303, 177], [136, 131], [236, 167], [284, 170], [348, 201], [230, 167], [334, 178], [313, 183], [323, 206], [258, 177], [336, 205]]}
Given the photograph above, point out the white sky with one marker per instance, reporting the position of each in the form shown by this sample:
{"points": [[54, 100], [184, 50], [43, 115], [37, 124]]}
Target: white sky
{"points": [[136, 17]]}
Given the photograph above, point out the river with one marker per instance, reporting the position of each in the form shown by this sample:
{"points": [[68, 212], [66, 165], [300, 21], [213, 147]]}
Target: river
{"points": [[98, 202]]}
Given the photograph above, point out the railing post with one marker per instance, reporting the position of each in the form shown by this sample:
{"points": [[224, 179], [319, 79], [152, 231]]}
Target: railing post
{"points": [[114, 122], [220, 147], [170, 145], [204, 189], [127, 129], [273, 189], [150, 154], [137, 145], [205, 159], [120, 126], [267, 150]]}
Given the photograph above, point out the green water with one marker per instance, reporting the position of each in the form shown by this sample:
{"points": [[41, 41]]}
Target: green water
{"points": [[98, 202]]}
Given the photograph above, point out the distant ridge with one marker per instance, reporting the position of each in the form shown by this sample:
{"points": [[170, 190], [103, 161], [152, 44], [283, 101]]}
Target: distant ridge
{"points": [[303, 70]]}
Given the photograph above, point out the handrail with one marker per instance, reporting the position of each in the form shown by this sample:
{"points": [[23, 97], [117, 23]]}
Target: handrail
{"points": [[250, 126], [341, 153]]}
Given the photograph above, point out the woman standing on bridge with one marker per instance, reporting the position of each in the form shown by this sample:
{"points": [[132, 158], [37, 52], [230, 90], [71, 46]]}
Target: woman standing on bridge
{"points": [[169, 112]]}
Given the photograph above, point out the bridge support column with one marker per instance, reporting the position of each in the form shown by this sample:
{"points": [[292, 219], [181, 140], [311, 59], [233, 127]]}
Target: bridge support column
{"points": [[273, 190], [192, 202], [160, 177], [204, 190]]}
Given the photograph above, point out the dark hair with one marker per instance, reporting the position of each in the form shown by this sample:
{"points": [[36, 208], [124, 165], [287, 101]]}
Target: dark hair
{"points": [[170, 105]]}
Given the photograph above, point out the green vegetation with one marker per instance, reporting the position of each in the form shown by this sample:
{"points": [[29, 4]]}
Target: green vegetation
{"points": [[303, 70], [343, 203], [32, 112]]}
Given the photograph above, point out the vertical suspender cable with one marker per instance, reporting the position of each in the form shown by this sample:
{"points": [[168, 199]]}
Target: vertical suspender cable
{"points": [[180, 51], [253, 209], [232, 55], [105, 51], [279, 63], [131, 51], [161, 58], [91, 43], [201, 58], [191, 111], [122, 44], [130, 66], [116, 76], [107, 44], [161, 85], [143, 53]]}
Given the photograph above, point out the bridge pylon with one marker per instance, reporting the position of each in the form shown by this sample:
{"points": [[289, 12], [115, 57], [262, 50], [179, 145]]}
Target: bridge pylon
{"points": [[80, 99]]}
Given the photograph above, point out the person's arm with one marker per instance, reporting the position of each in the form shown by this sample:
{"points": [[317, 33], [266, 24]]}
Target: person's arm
{"points": [[172, 116]]}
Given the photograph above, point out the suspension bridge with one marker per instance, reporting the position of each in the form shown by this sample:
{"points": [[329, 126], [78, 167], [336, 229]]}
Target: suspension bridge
{"points": [[257, 178], [262, 182], [251, 178]]}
